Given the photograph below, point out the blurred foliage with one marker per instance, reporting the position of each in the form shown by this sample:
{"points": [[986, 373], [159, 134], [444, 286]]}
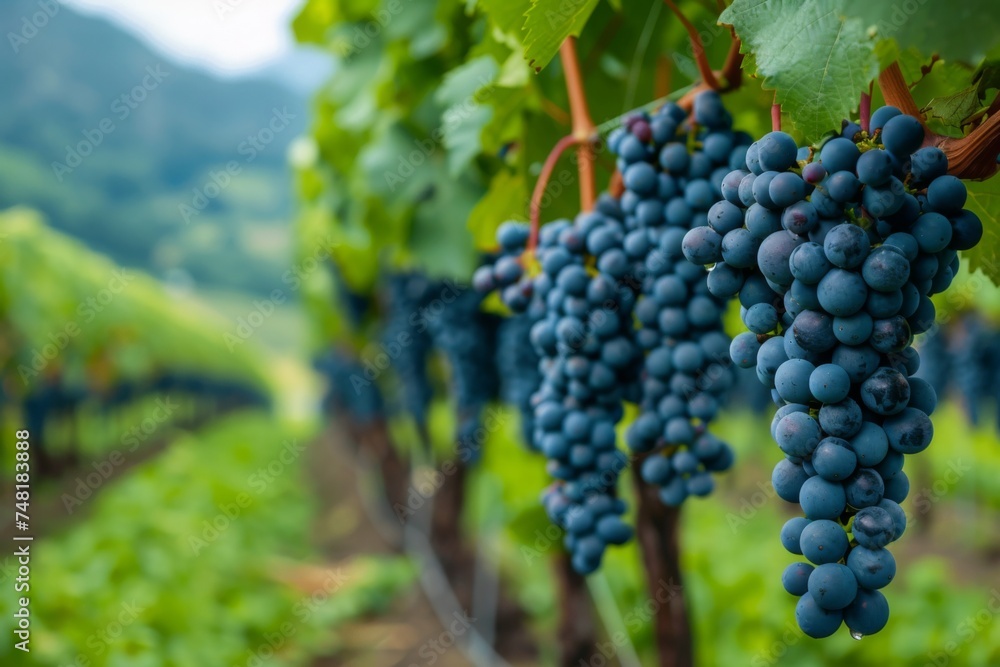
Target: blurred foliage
{"points": [[69, 314], [434, 123], [733, 558], [170, 138], [189, 561]]}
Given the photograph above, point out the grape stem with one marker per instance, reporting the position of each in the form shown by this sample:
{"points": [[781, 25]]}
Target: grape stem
{"points": [[697, 48], [583, 125], [865, 110], [775, 116], [972, 156], [543, 180], [731, 73]]}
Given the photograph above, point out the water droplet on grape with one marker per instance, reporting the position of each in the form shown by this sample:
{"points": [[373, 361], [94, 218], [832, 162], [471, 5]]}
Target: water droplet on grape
{"points": [[856, 635]]}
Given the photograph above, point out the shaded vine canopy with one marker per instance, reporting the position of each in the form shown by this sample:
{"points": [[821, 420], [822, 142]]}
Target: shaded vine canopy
{"points": [[412, 169]]}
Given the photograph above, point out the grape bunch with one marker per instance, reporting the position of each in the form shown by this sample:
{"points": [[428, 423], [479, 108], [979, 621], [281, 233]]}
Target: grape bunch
{"points": [[467, 337], [516, 358], [407, 294], [833, 257], [582, 332], [517, 364], [669, 189]]}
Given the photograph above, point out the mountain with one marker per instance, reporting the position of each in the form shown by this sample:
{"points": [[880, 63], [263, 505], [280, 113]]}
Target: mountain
{"points": [[162, 167]]}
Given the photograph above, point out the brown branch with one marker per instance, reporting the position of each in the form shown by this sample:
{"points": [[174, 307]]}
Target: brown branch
{"points": [[697, 48], [865, 110], [543, 181], [577, 626], [555, 112], [775, 115], [617, 186], [657, 532], [973, 156], [896, 92], [732, 69], [583, 125], [661, 85]]}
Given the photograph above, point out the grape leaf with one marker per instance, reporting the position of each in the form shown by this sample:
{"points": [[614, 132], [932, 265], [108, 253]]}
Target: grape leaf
{"points": [[463, 121], [505, 200], [953, 110], [508, 15], [548, 23], [984, 201], [817, 61], [964, 30]]}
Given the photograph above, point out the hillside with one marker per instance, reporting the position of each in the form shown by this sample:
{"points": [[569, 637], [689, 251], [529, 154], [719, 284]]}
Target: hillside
{"points": [[161, 167]]}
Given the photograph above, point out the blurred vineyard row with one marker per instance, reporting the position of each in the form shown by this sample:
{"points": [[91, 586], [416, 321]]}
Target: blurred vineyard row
{"points": [[189, 556]]}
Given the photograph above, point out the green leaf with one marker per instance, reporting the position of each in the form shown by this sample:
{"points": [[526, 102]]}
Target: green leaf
{"points": [[505, 200], [817, 61], [954, 109], [463, 121], [984, 201], [466, 80], [463, 131], [508, 15], [532, 527], [964, 30], [549, 23]]}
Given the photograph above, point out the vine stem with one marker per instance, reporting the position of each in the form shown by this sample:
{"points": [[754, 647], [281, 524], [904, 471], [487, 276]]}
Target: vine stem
{"points": [[972, 156], [697, 48], [543, 180], [865, 110], [658, 535], [775, 117], [583, 124], [732, 74], [896, 92]]}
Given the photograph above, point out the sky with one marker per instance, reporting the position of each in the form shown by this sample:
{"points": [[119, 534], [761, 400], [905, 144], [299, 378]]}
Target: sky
{"points": [[225, 36]]}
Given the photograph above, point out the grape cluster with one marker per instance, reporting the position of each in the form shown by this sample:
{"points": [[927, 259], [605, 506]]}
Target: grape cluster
{"points": [[834, 257], [467, 337], [582, 332], [672, 167], [341, 371], [517, 363], [407, 294], [963, 356]]}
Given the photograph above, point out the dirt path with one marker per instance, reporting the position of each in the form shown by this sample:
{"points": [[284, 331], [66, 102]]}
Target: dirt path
{"points": [[407, 635]]}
